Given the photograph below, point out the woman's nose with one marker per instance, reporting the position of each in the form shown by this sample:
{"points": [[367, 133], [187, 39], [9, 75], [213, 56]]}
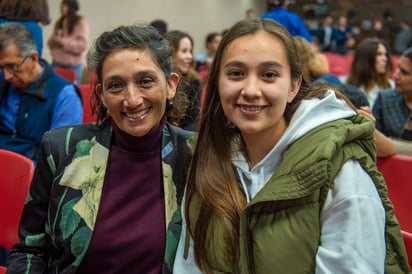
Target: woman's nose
{"points": [[133, 97]]}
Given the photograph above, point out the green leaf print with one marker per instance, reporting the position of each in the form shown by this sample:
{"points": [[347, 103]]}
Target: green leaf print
{"points": [[35, 240], [70, 219], [82, 148], [79, 244]]}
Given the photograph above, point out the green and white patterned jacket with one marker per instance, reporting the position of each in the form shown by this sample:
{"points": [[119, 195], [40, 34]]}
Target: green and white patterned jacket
{"points": [[60, 212]]}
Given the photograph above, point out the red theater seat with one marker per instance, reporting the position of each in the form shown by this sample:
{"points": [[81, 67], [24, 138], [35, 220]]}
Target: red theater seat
{"points": [[397, 173]]}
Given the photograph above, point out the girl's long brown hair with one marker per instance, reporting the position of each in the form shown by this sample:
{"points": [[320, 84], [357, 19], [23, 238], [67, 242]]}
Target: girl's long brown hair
{"points": [[211, 176]]}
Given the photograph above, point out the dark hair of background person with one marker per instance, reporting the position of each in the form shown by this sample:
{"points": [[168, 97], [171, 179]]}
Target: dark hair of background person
{"points": [[143, 38], [210, 37], [408, 53], [72, 16], [25, 10], [160, 25]]}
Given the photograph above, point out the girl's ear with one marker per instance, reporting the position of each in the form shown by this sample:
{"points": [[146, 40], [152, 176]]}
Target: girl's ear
{"points": [[294, 89]]}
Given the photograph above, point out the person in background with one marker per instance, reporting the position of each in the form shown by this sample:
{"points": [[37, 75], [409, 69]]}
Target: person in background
{"points": [[403, 38], [204, 60], [184, 64], [291, 21], [161, 26], [313, 70], [326, 39], [250, 13], [31, 13], [116, 184], [393, 107], [282, 163], [69, 39], [342, 36], [33, 98], [371, 68], [314, 65]]}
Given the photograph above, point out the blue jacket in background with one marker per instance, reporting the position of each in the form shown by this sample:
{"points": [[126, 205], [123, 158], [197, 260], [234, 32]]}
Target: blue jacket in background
{"points": [[37, 112], [291, 21]]}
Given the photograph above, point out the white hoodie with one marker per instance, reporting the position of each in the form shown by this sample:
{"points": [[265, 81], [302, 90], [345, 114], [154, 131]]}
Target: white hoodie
{"points": [[353, 217]]}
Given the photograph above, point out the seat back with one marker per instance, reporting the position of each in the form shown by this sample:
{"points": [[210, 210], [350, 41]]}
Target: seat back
{"points": [[407, 238], [396, 171], [86, 92], [15, 178], [68, 74]]}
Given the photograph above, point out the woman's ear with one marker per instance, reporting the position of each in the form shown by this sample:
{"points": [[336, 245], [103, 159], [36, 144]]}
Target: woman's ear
{"points": [[172, 85], [99, 92], [294, 89]]}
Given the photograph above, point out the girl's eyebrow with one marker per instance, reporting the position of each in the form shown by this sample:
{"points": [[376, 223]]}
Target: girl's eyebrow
{"points": [[264, 64]]}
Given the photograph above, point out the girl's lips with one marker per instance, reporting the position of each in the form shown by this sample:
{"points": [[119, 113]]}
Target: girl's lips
{"points": [[251, 109]]}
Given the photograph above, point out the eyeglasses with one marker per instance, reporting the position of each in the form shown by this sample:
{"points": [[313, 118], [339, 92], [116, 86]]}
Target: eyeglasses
{"points": [[13, 68]]}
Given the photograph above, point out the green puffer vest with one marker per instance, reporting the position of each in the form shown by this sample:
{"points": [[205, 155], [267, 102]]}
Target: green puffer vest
{"points": [[280, 226]]}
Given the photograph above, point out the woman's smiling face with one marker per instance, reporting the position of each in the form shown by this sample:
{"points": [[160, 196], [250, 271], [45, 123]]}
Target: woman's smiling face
{"points": [[134, 90], [184, 56]]}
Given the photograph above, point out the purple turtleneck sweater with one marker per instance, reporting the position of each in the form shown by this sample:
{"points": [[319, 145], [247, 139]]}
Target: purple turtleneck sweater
{"points": [[129, 235]]}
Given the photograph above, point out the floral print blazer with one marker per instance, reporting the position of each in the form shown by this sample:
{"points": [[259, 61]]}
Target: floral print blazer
{"points": [[60, 212]]}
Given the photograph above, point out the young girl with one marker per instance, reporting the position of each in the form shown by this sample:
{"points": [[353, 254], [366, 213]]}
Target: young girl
{"points": [[283, 177]]}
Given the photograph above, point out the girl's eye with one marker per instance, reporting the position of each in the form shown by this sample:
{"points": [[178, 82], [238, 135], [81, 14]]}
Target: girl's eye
{"points": [[269, 75], [235, 74]]}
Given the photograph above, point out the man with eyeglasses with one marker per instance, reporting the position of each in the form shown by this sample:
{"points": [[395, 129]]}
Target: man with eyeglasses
{"points": [[33, 98]]}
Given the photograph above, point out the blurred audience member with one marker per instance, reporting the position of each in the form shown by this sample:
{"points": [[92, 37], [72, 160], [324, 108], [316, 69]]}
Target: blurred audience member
{"points": [[312, 61], [33, 98], [161, 25], [390, 29], [250, 13], [371, 68], [291, 21], [403, 39], [183, 61], [68, 42], [204, 60], [326, 34], [30, 13], [393, 107], [341, 33]]}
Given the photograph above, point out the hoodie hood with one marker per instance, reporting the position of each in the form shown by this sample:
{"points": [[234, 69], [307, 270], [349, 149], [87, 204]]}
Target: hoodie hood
{"points": [[309, 115]]}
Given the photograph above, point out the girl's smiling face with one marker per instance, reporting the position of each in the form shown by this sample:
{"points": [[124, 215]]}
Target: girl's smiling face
{"points": [[255, 85], [134, 90]]}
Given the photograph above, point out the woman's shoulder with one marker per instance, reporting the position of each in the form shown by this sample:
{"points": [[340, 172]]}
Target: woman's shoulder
{"points": [[74, 133], [177, 131]]}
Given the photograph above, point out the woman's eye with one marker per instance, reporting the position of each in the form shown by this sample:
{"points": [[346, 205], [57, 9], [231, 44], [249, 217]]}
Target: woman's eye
{"points": [[115, 86], [146, 82]]}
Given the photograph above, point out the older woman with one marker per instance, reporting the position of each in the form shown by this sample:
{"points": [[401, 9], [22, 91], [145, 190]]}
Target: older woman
{"points": [[104, 194]]}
